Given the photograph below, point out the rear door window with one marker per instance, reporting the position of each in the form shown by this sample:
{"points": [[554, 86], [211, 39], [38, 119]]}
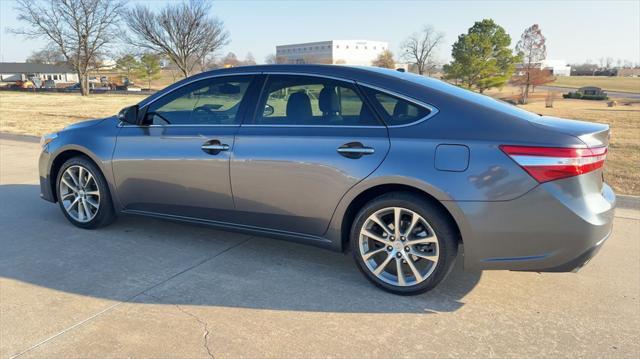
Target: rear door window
{"points": [[396, 111], [312, 101]]}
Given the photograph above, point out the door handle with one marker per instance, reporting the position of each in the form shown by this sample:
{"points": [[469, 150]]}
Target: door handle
{"points": [[355, 150], [220, 147], [358, 150], [213, 147]]}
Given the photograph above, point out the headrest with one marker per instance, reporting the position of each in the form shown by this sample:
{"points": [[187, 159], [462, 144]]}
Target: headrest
{"points": [[328, 101], [400, 109], [299, 106]]}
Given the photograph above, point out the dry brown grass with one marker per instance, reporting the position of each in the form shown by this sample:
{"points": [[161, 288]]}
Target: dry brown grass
{"points": [[39, 113], [622, 168], [36, 114]]}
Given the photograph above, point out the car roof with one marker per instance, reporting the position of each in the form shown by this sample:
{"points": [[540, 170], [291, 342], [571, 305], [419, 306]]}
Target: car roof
{"points": [[383, 78], [427, 90]]}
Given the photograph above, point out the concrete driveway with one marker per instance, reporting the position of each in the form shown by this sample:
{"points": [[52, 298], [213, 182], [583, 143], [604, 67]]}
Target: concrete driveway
{"points": [[147, 288]]}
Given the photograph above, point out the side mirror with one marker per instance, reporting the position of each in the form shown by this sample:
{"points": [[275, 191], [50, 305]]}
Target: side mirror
{"points": [[268, 110], [129, 115]]}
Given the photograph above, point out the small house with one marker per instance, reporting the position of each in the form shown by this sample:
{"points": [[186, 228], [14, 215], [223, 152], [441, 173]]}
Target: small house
{"points": [[16, 71]]}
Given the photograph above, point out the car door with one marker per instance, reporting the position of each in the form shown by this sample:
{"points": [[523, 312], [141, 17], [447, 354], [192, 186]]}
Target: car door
{"points": [[311, 140], [177, 161]]}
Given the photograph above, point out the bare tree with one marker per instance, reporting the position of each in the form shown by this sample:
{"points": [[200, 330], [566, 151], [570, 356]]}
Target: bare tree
{"points": [[230, 60], [249, 59], [273, 59], [419, 49], [49, 55], [533, 49], [184, 32], [608, 62], [79, 29]]}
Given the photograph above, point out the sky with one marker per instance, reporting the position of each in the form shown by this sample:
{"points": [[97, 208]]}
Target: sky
{"points": [[576, 31]]}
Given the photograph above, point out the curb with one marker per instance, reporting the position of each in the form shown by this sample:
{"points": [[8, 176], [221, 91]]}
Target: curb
{"points": [[627, 201], [16, 137]]}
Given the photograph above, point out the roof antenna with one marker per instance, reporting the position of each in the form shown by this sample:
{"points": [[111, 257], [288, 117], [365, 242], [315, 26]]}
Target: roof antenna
{"points": [[400, 69]]}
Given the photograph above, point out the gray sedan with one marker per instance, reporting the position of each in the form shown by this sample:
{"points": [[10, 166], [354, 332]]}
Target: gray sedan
{"points": [[400, 169]]}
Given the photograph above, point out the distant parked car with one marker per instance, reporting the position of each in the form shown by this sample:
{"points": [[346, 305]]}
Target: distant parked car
{"points": [[49, 84], [398, 168], [93, 87]]}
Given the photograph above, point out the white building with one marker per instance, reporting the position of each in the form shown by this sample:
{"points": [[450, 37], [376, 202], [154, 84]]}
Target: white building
{"points": [[351, 52], [16, 71], [557, 67]]}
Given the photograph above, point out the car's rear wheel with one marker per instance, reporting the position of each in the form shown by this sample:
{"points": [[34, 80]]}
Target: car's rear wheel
{"points": [[83, 194], [404, 243]]}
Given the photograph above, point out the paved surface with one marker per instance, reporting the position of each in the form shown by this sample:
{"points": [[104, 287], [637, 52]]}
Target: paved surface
{"points": [[146, 288]]}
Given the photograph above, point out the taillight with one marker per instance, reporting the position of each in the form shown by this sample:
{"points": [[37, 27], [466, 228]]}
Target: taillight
{"points": [[552, 163]]}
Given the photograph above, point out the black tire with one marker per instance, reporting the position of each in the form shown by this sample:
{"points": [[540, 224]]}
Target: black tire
{"points": [[105, 214], [446, 232]]}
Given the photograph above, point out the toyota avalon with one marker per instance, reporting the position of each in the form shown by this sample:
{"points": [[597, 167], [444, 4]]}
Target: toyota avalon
{"points": [[402, 170]]}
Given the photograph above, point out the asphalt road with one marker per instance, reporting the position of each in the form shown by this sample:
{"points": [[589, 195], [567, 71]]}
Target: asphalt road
{"points": [[146, 288]]}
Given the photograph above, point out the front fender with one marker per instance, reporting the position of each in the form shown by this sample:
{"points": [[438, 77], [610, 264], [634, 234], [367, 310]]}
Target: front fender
{"points": [[96, 142]]}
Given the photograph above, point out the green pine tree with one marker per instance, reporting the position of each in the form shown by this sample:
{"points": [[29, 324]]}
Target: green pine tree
{"points": [[482, 58]]}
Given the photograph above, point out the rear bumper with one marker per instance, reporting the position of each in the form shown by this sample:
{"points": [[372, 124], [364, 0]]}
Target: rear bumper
{"points": [[556, 227], [580, 261]]}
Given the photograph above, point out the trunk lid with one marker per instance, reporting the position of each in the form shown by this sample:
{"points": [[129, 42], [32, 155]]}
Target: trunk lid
{"points": [[592, 134]]}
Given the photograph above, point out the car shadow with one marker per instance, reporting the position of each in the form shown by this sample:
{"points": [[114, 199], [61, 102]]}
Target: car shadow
{"points": [[145, 260]]}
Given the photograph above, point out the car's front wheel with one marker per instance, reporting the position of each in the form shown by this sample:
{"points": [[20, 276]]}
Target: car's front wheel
{"points": [[404, 243], [83, 194]]}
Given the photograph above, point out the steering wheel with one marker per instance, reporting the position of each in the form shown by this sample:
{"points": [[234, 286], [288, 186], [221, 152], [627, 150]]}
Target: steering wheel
{"points": [[207, 114]]}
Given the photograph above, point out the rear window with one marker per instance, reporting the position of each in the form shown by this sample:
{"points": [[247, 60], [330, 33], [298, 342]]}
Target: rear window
{"points": [[397, 111]]}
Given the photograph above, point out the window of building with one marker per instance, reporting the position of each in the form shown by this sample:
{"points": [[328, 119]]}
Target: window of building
{"points": [[396, 111], [307, 100]]}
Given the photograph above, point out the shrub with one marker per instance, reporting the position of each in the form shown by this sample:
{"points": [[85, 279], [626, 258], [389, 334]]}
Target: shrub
{"points": [[595, 97], [579, 96], [575, 95]]}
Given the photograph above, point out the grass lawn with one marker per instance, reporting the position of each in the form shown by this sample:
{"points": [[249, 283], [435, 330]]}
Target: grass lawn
{"points": [[623, 84], [37, 114]]}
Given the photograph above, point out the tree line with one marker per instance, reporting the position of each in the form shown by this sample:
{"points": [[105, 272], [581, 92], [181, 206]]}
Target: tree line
{"points": [[482, 57], [82, 32]]}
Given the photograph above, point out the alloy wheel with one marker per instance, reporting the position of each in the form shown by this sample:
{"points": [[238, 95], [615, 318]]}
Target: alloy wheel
{"points": [[399, 246], [79, 193]]}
